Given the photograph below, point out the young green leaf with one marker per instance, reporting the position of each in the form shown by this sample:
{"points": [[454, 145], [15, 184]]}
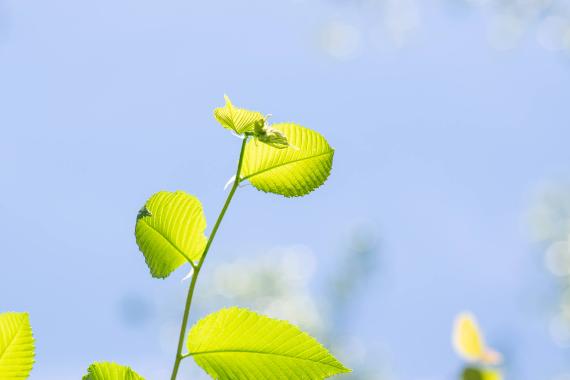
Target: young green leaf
{"points": [[16, 346], [110, 371], [236, 119], [170, 231], [237, 343], [293, 171]]}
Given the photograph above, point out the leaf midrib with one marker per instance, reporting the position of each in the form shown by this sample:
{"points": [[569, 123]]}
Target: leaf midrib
{"points": [[167, 240], [12, 339], [331, 151], [342, 368]]}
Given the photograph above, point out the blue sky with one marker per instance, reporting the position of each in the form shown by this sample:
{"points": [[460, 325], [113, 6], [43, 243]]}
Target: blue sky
{"points": [[439, 143]]}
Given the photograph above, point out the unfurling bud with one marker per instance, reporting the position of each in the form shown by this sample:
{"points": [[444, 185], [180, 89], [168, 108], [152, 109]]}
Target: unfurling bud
{"points": [[270, 136]]}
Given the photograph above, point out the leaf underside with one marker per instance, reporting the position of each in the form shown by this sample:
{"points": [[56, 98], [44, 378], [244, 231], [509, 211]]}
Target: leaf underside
{"points": [[170, 231], [237, 343], [110, 371], [16, 346], [236, 119], [293, 171]]}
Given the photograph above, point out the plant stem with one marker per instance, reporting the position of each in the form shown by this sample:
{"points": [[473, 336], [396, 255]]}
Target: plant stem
{"points": [[184, 324], [197, 268]]}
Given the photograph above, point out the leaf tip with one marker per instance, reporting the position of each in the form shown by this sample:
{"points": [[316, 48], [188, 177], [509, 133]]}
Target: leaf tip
{"points": [[110, 371]]}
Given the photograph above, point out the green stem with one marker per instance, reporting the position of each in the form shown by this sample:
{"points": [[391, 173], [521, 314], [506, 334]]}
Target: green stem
{"points": [[198, 267], [184, 324]]}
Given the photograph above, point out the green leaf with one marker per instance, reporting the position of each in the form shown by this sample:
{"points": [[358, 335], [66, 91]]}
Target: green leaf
{"points": [[170, 231], [237, 343], [293, 171], [236, 119], [474, 373], [16, 346], [110, 371]]}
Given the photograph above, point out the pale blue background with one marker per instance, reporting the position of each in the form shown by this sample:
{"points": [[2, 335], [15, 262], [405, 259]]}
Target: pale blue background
{"points": [[439, 146]]}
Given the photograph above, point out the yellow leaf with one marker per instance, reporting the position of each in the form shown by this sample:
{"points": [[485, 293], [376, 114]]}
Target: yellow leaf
{"points": [[469, 342], [16, 346]]}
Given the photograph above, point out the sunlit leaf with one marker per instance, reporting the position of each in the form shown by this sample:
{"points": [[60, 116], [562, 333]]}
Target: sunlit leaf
{"points": [[236, 119], [237, 343], [293, 171], [491, 374], [16, 346], [469, 342], [472, 373], [110, 371], [170, 231]]}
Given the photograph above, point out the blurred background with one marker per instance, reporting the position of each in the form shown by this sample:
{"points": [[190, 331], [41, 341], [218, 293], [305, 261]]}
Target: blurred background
{"points": [[450, 189]]}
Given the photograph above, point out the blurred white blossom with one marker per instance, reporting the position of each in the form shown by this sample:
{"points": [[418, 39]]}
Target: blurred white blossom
{"points": [[396, 22], [550, 227]]}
